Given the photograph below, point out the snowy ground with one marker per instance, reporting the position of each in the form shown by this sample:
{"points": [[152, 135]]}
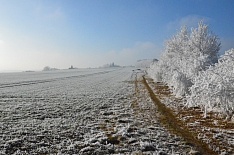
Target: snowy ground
{"points": [[92, 111], [214, 129]]}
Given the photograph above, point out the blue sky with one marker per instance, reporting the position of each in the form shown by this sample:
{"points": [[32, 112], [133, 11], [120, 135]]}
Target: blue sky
{"points": [[91, 33]]}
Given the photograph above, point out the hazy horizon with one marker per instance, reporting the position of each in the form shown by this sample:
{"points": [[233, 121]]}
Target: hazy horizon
{"points": [[91, 33]]}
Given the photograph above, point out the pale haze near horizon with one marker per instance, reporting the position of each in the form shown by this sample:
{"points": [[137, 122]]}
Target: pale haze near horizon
{"points": [[91, 33]]}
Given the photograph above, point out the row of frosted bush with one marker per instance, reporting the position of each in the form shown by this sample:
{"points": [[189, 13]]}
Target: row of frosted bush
{"points": [[191, 67]]}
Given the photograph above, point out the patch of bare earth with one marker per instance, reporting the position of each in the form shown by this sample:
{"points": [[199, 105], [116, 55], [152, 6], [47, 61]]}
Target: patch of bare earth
{"points": [[211, 133]]}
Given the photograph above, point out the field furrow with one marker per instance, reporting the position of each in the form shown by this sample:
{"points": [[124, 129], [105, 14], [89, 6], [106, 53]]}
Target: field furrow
{"points": [[94, 112]]}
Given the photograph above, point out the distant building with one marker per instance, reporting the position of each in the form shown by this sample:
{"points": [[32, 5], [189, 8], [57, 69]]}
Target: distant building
{"points": [[71, 67], [110, 65]]}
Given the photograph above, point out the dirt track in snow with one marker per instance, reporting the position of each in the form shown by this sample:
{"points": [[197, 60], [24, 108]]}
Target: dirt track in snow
{"points": [[101, 111], [206, 133]]}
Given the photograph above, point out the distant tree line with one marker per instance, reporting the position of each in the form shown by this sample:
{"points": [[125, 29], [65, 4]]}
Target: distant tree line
{"points": [[110, 65], [47, 68]]}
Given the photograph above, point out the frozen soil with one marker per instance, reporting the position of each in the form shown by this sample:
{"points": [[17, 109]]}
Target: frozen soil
{"points": [[214, 129], [93, 112]]}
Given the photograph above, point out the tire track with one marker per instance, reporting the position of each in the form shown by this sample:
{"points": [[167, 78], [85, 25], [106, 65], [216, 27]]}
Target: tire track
{"points": [[175, 125]]}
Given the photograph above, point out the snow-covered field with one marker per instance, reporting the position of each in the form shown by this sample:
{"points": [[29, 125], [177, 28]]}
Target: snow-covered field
{"points": [[80, 112]]}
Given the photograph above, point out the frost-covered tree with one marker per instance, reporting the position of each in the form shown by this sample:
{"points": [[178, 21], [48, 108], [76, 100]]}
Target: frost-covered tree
{"points": [[213, 88], [204, 47], [186, 54], [46, 68]]}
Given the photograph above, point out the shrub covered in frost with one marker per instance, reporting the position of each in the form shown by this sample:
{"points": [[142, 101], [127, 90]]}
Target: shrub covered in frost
{"points": [[186, 54], [214, 88]]}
